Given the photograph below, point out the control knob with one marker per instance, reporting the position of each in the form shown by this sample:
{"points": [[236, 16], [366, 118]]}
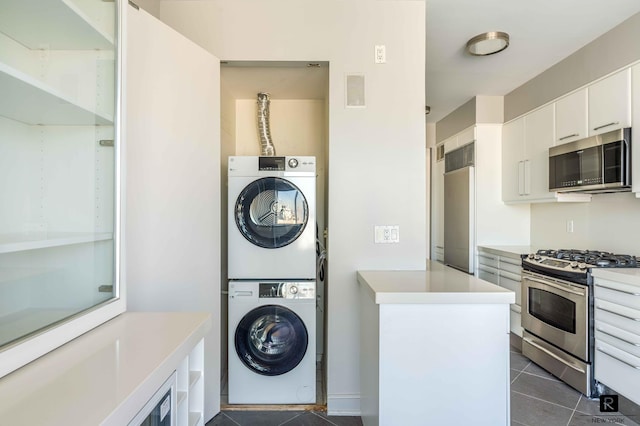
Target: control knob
{"points": [[531, 256], [293, 163], [537, 257], [573, 264], [293, 289], [582, 265]]}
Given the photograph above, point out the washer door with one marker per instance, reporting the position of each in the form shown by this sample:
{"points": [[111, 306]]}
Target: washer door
{"points": [[271, 212], [271, 340]]}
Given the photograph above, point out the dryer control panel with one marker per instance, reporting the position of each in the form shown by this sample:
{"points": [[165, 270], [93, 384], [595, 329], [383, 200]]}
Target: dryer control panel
{"points": [[288, 290]]}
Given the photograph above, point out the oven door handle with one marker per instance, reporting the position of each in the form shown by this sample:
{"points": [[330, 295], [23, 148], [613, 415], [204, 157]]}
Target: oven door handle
{"points": [[637, 367], [556, 286], [551, 354]]}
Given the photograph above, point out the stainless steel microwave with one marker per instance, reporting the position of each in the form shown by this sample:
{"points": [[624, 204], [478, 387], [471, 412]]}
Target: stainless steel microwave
{"points": [[600, 163]]}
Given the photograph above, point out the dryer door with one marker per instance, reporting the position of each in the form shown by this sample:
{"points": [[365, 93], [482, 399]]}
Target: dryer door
{"points": [[271, 212], [271, 340]]}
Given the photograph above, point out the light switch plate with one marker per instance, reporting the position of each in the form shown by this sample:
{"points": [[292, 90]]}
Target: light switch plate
{"points": [[387, 234]]}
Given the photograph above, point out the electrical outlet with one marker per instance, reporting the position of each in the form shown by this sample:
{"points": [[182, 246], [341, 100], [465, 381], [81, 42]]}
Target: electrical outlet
{"points": [[380, 54], [387, 234]]}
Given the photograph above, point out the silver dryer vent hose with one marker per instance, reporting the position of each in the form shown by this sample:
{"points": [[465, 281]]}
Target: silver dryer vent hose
{"points": [[266, 145]]}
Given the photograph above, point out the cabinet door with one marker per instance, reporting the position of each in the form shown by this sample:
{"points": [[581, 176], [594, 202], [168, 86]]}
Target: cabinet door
{"points": [[450, 144], [635, 153], [173, 179], [610, 103], [571, 117], [512, 160], [538, 138], [437, 206]]}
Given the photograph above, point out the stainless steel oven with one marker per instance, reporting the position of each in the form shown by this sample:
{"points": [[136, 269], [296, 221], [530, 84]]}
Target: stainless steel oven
{"points": [[556, 318], [557, 311]]}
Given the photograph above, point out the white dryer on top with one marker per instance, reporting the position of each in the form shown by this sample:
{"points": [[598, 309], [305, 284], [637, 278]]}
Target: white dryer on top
{"points": [[272, 214]]}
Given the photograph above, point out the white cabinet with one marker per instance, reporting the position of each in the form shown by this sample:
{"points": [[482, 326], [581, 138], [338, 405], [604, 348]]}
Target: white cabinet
{"points": [[635, 153], [525, 159], [59, 153], [571, 117], [460, 139], [437, 207], [610, 103], [617, 331], [525, 156], [503, 269]]}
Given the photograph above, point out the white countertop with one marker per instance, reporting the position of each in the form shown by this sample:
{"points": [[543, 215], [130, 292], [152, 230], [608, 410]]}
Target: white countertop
{"points": [[438, 284], [104, 376], [509, 251], [629, 276]]}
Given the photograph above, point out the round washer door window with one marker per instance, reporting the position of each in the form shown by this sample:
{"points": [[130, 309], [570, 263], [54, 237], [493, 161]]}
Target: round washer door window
{"points": [[271, 340], [271, 212]]}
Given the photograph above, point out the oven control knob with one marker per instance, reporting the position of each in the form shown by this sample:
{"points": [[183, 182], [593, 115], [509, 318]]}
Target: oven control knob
{"points": [[537, 257], [531, 256], [573, 264], [582, 265]]}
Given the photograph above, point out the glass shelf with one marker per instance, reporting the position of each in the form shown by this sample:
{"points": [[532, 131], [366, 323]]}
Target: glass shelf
{"points": [[10, 243]]}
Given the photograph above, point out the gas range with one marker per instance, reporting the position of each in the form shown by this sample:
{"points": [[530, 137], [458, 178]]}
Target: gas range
{"points": [[575, 265]]}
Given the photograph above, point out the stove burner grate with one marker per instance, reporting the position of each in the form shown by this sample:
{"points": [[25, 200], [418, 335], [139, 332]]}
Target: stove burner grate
{"points": [[601, 259]]}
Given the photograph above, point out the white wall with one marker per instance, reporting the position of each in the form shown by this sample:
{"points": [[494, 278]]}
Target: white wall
{"points": [[376, 154], [610, 222]]}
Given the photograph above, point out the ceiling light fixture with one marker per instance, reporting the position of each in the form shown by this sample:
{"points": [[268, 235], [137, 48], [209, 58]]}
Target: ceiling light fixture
{"points": [[488, 43]]}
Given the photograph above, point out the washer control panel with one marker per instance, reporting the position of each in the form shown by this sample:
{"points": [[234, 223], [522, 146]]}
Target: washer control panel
{"points": [[287, 290]]}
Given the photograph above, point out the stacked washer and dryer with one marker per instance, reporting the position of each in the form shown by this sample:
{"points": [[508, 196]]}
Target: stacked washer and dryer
{"points": [[272, 280]]}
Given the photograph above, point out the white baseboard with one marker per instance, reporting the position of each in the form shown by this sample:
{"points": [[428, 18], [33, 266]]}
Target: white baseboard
{"points": [[343, 404]]}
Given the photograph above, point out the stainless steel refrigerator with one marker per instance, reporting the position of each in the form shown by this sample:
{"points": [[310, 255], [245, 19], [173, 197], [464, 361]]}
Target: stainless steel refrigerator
{"points": [[459, 209]]}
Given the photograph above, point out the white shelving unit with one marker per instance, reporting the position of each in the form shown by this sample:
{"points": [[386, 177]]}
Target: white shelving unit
{"points": [[21, 242], [29, 101], [58, 220], [190, 400]]}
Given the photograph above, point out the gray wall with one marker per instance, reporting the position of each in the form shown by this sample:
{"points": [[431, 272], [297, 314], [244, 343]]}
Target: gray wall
{"points": [[458, 120], [613, 50]]}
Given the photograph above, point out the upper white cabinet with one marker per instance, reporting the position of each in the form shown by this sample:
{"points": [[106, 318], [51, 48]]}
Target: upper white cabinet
{"points": [[571, 117], [525, 157], [59, 150], [610, 103]]}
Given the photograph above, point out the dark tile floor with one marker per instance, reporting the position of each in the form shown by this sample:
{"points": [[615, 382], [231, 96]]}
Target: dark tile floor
{"points": [[537, 399]]}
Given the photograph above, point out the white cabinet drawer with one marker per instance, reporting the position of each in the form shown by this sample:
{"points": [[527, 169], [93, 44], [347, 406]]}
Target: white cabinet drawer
{"points": [[622, 294], [618, 370], [619, 316], [488, 273], [511, 284], [512, 265], [488, 260], [621, 339]]}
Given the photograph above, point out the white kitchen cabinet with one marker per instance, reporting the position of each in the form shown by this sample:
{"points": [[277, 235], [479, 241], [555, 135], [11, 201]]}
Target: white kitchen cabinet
{"points": [[503, 267], [460, 139], [437, 207], [571, 117], [525, 156], [60, 151], [617, 330], [525, 159], [610, 103], [635, 153]]}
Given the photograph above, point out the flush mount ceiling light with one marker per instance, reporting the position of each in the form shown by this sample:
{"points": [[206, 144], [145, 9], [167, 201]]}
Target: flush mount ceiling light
{"points": [[488, 43]]}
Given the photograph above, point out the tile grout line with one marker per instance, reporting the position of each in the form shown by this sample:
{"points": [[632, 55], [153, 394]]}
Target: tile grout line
{"points": [[540, 399], [520, 372], [292, 418], [574, 410], [323, 418], [231, 419]]}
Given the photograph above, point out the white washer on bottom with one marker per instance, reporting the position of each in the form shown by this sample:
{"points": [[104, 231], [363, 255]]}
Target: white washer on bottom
{"points": [[272, 342]]}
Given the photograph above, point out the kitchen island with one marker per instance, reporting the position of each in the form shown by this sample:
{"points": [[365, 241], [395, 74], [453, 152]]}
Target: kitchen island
{"points": [[434, 348]]}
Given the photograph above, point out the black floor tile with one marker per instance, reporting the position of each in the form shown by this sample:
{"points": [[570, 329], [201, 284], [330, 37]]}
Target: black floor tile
{"points": [[221, 419], [308, 419]]}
